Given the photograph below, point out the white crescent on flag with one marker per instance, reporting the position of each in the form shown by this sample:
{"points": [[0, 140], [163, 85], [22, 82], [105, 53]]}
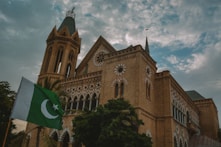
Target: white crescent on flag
{"points": [[45, 111]]}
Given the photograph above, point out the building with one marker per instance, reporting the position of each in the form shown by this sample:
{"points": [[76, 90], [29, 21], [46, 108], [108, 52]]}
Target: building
{"points": [[171, 116]]}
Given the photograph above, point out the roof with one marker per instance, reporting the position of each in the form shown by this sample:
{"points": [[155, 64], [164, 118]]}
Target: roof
{"points": [[194, 95], [147, 46], [68, 22]]}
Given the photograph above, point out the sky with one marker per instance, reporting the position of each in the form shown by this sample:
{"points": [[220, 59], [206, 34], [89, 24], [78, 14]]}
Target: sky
{"points": [[184, 36]]}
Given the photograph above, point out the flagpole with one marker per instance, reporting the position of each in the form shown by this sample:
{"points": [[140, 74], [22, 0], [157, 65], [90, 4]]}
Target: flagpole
{"points": [[6, 132]]}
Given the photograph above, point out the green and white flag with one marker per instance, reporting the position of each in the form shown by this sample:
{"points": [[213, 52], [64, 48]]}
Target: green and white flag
{"points": [[37, 105]]}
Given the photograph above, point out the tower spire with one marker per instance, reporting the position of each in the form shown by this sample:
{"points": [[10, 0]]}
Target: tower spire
{"points": [[70, 13], [147, 45], [69, 22]]}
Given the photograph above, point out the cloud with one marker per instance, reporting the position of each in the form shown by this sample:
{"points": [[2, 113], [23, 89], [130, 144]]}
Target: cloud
{"points": [[184, 36]]}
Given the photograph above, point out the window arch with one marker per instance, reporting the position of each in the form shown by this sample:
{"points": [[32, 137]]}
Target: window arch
{"points": [[175, 142], [80, 106], [75, 103], [185, 144], [68, 70], [54, 136], [181, 144], [65, 139], [87, 103], [116, 90], [94, 102], [148, 87], [48, 57], [121, 89], [58, 62]]}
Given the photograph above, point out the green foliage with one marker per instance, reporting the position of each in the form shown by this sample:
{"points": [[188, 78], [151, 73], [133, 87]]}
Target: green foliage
{"points": [[7, 99], [114, 124]]}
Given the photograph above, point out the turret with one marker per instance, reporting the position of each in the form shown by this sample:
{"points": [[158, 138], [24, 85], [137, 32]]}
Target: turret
{"points": [[63, 47]]}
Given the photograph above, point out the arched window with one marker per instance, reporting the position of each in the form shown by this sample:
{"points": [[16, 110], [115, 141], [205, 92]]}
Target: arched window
{"points": [[54, 136], [121, 89], [187, 117], [116, 90], [68, 108], [80, 106], [75, 103], [58, 62], [87, 103], [175, 142], [93, 103], [66, 139], [177, 116], [68, 70], [148, 90], [185, 144], [48, 57], [181, 144]]}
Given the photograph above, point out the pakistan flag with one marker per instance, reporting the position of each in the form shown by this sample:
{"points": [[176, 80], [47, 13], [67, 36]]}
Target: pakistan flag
{"points": [[37, 105]]}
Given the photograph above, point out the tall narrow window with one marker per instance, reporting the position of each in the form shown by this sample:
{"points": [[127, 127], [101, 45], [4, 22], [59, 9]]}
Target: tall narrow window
{"points": [[148, 87], [68, 70], [181, 144], [48, 57], [94, 101], [58, 62], [87, 103], [187, 117], [66, 139], [175, 142], [121, 89], [75, 103], [116, 90], [80, 107]]}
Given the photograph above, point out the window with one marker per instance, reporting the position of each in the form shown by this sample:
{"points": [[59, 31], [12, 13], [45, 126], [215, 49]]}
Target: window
{"points": [[80, 107], [54, 136], [148, 90], [75, 103], [68, 70], [48, 57], [175, 142], [58, 62], [181, 144], [122, 89], [87, 103], [116, 90], [93, 103], [66, 140]]}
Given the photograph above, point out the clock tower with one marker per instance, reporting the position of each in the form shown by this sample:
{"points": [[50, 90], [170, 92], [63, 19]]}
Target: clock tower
{"points": [[63, 47]]}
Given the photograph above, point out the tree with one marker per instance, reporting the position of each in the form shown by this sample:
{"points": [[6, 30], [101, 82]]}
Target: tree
{"points": [[7, 97], [114, 124]]}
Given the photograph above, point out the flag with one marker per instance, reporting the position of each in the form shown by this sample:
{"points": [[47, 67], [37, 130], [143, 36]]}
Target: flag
{"points": [[37, 105]]}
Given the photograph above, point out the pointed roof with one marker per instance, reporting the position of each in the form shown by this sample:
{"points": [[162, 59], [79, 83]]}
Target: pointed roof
{"points": [[69, 22], [194, 95], [147, 46], [100, 41]]}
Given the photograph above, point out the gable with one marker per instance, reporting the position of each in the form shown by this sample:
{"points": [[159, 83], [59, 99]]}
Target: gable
{"points": [[88, 64]]}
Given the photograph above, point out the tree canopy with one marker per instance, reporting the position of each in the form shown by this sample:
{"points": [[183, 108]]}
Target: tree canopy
{"points": [[7, 97], [114, 124]]}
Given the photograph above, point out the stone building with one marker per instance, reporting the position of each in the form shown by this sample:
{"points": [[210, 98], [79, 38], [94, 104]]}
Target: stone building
{"points": [[171, 116]]}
